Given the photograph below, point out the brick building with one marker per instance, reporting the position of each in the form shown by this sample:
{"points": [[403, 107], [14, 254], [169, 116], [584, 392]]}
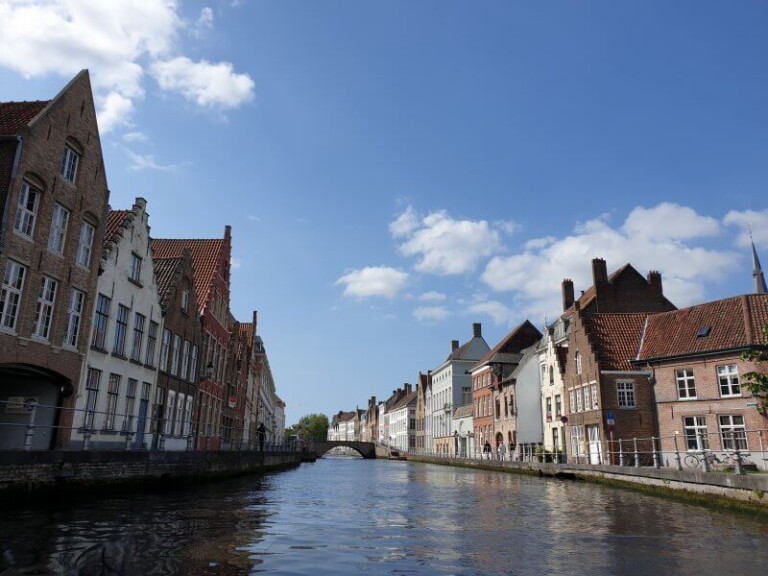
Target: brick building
{"points": [[694, 358], [598, 380], [53, 206], [177, 391], [211, 262]]}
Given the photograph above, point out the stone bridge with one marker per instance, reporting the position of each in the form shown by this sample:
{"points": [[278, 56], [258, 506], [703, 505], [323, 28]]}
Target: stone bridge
{"points": [[365, 449]]}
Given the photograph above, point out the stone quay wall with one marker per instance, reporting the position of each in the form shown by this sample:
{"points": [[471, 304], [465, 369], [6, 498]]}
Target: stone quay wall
{"points": [[751, 489], [29, 471]]}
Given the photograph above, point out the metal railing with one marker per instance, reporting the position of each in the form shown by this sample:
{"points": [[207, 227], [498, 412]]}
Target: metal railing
{"points": [[32, 425]]}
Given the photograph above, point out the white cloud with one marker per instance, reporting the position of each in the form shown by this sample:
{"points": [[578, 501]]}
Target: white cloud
{"points": [[443, 245], [404, 224], [757, 221], [508, 227], [501, 314], [207, 85], [645, 240], [206, 18], [148, 162], [373, 281], [432, 297], [134, 137], [253, 218], [431, 313], [114, 39]]}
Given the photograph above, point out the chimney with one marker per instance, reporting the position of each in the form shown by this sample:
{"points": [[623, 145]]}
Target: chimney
{"points": [[477, 330], [567, 293], [599, 271], [255, 320], [654, 279], [407, 388], [454, 345]]}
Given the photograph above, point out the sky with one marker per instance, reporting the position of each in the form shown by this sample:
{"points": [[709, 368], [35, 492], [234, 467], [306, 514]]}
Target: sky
{"points": [[395, 171]]}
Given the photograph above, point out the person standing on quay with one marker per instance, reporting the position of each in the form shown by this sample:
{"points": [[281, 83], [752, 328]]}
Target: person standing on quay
{"points": [[261, 433]]}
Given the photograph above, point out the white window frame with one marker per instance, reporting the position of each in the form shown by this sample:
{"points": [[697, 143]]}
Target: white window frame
{"points": [[69, 164], [59, 223], [185, 299], [187, 428], [594, 396], [686, 384], [587, 399], [728, 380], [625, 394], [92, 382], [579, 401], [74, 317], [178, 417], [101, 322], [139, 323], [732, 435], [85, 244], [26, 214], [130, 403], [193, 365], [170, 414], [46, 300], [113, 394], [175, 348], [135, 271], [696, 435], [10, 294], [184, 360], [121, 329], [165, 348]]}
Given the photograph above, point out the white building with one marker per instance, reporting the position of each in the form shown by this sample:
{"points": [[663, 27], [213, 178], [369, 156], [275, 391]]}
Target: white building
{"points": [[552, 354], [119, 375], [452, 387], [527, 389], [461, 428], [402, 421]]}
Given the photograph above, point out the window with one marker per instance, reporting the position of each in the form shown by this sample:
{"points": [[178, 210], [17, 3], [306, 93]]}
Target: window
{"points": [[558, 405], [551, 376], [178, 418], [138, 336], [165, 348], [92, 389], [733, 433], [579, 401], [69, 164], [85, 245], [594, 396], [113, 389], [185, 360], [74, 317], [696, 437], [185, 300], [135, 273], [686, 387], [728, 376], [10, 294], [175, 354], [26, 211], [577, 440], [44, 313], [548, 414], [587, 401], [578, 362], [149, 359], [100, 321], [171, 414], [159, 400], [130, 402], [626, 394], [498, 409], [121, 328], [187, 428], [59, 224], [572, 398]]}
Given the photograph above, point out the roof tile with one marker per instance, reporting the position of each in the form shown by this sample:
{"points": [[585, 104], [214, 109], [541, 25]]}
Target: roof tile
{"points": [[16, 115], [615, 338]]}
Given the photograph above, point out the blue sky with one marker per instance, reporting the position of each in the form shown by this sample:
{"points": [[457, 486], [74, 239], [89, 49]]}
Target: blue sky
{"points": [[395, 171]]}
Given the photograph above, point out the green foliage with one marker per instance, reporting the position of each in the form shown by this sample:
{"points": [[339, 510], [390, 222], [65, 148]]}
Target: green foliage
{"points": [[312, 427], [757, 381]]}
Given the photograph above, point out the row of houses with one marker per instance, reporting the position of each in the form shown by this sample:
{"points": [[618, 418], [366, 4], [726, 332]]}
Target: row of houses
{"points": [[620, 374], [109, 337]]}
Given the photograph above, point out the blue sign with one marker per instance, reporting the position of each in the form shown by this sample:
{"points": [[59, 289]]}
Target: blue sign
{"points": [[609, 418]]}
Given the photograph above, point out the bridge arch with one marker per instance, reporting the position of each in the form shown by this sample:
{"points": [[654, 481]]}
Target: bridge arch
{"points": [[365, 449]]}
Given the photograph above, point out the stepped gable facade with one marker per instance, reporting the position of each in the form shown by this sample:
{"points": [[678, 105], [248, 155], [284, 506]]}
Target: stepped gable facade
{"points": [[53, 205], [211, 261]]}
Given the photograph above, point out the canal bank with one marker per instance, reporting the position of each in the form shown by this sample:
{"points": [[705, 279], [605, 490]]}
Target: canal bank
{"points": [[698, 486], [27, 472]]}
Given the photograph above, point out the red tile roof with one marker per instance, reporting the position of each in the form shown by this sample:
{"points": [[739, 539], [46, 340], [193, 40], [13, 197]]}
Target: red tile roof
{"points": [[165, 276], [114, 219], [205, 258], [615, 338], [733, 323], [520, 338], [15, 115]]}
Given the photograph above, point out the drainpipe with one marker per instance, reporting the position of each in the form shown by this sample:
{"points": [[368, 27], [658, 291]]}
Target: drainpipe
{"points": [[14, 169]]}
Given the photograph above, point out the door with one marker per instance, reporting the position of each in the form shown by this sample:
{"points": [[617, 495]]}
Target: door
{"points": [[593, 433], [141, 423]]}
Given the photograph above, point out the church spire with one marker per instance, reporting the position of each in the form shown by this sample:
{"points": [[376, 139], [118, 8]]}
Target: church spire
{"points": [[757, 272]]}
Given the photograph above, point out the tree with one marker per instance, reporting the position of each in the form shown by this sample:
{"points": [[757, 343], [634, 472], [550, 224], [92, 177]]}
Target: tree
{"points": [[757, 381], [312, 427]]}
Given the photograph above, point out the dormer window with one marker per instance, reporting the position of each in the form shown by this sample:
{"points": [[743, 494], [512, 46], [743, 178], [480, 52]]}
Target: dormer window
{"points": [[69, 163]]}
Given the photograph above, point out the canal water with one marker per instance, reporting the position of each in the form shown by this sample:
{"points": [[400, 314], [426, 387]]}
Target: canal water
{"points": [[350, 516]]}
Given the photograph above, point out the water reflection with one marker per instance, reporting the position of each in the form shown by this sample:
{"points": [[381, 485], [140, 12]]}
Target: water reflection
{"points": [[342, 516]]}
